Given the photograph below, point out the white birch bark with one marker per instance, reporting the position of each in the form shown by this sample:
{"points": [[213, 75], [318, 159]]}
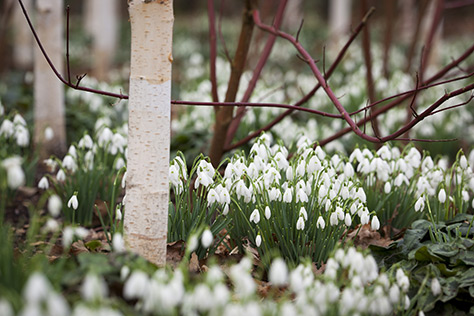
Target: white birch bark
{"points": [[102, 23], [339, 21], [48, 90], [23, 39], [146, 207]]}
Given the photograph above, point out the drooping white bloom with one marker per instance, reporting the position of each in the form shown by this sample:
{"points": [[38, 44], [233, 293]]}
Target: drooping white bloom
{"points": [[37, 289], [119, 163], [435, 286], [118, 244], [278, 274], [206, 238], [348, 220], [442, 196], [387, 187], [375, 224], [224, 196], [401, 178], [86, 142], [463, 162], [48, 133], [288, 195], [420, 204], [136, 285], [43, 183], [105, 136], [268, 212], [301, 196], [258, 240], [93, 288], [7, 128], [333, 219], [51, 226], [255, 216], [320, 223], [73, 202], [364, 217], [303, 213], [402, 280], [300, 223], [54, 205], [5, 307], [281, 161], [22, 136], [15, 175], [212, 197], [289, 174], [225, 211], [69, 163]]}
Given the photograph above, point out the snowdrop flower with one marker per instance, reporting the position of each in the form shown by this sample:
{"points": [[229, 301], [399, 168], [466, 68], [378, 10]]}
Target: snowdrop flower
{"points": [[387, 187], [119, 163], [465, 195], [442, 196], [212, 197], [348, 220], [333, 219], [204, 179], [206, 238], [22, 136], [402, 280], [48, 133], [463, 162], [320, 223], [37, 289], [105, 136], [7, 128], [73, 202], [255, 216], [54, 205], [301, 196], [136, 286], [288, 195], [51, 226], [19, 120], [300, 223], [401, 178], [5, 307], [281, 161], [375, 224], [274, 194], [289, 174], [224, 196], [15, 175], [118, 244], [93, 288], [85, 142], [303, 213], [420, 204], [360, 194], [435, 286], [258, 240], [225, 211], [192, 243], [43, 183], [278, 274], [268, 212], [69, 163], [124, 180], [364, 218]]}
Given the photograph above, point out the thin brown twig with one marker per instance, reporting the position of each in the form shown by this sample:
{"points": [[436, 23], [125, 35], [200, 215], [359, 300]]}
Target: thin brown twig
{"points": [[307, 97]]}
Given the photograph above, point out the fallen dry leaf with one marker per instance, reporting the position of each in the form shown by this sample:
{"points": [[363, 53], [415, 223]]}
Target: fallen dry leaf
{"points": [[194, 263]]}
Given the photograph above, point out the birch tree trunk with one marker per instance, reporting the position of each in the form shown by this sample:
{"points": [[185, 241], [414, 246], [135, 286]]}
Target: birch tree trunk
{"points": [[146, 208], [101, 22], [48, 90], [339, 21], [23, 40]]}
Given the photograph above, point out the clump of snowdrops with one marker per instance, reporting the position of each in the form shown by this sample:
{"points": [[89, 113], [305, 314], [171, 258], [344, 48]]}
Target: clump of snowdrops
{"points": [[296, 208], [405, 186], [89, 173]]}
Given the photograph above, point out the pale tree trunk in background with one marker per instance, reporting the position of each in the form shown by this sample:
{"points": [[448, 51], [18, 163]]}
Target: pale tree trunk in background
{"points": [[146, 207], [434, 57], [48, 90], [339, 22], [293, 15], [407, 20], [22, 37], [102, 24]]}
